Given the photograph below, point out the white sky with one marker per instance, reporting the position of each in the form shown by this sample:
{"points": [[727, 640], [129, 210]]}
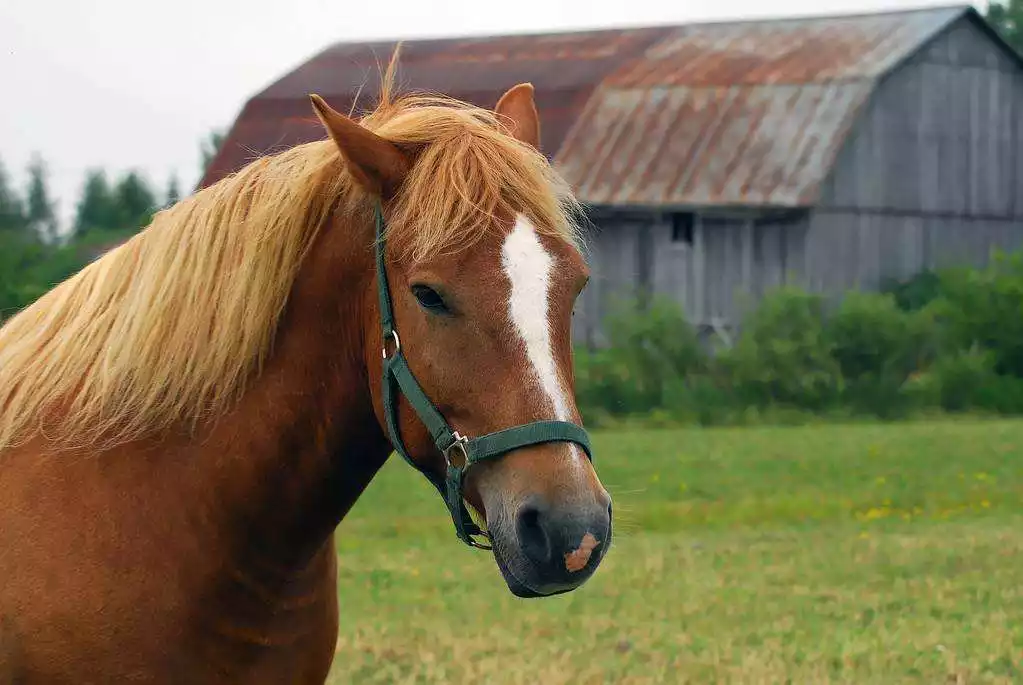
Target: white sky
{"points": [[125, 84]]}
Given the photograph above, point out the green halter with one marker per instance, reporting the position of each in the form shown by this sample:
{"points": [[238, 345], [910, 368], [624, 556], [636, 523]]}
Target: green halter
{"points": [[398, 378]]}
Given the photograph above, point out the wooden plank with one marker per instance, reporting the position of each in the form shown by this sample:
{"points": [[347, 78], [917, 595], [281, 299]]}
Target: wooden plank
{"points": [[747, 256], [699, 256]]}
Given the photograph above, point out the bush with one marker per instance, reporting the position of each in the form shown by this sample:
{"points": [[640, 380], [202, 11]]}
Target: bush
{"points": [[915, 293], [28, 269], [877, 346], [783, 355], [652, 348], [603, 384], [984, 309], [949, 340], [968, 381]]}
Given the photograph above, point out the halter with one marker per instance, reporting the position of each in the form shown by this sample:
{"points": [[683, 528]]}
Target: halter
{"points": [[398, 377]]}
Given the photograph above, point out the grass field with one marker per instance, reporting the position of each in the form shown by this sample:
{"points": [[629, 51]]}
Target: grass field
{"points": [[826, 554]]}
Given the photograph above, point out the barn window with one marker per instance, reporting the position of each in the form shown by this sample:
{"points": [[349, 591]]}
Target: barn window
{"points": [[682, 228]]}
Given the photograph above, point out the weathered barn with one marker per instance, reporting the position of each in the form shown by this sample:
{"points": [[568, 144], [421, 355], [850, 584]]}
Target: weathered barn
{"points": [[721, 160]]}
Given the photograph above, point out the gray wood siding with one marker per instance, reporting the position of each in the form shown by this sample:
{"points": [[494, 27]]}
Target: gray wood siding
{"points": [[612, 250], [828, 251], [942, 135], [848, 250], [674, 274], [730, 264]]}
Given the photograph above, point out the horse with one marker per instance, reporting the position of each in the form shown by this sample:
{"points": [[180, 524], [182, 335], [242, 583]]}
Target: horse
{"points": [[186, 420]]}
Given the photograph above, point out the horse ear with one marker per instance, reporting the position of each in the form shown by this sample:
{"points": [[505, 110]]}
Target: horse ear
{"points": [[377, 164], [518, 107]]}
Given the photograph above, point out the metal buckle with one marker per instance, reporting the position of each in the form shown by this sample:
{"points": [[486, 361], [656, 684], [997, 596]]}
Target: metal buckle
{"points": [[461, 442], [397, 344], [480, 545]]}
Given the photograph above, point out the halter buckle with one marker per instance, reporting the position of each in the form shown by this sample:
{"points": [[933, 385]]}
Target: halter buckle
{"points": [[462, 444], [397, 343], [480, 545]]}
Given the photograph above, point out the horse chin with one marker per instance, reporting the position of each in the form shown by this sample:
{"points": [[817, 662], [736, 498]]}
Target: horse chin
{"points": [[520, 588]]}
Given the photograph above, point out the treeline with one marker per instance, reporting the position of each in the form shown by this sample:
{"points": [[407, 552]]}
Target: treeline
{"points": [[949, 341], [1007, 18], [126, 204], [35, 255]]}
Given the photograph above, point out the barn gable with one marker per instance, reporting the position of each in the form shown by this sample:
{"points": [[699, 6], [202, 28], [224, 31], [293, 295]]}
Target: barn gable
{"points": [[932, 172], [956, 102]]}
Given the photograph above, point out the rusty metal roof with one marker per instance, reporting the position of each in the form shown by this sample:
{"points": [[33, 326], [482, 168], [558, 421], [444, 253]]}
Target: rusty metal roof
{"points": [[749, 113], [683, 146], [563, 68], [783, 51], [733, 113]]}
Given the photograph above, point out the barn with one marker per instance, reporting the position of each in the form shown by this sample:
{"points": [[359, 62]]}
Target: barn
{"points": [[721, 160]]}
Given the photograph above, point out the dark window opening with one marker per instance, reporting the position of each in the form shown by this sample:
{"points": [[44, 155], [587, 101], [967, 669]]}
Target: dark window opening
{"points": [[682, 228]]}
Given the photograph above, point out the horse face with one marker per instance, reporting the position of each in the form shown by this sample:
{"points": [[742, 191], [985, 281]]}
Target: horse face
{"points": [[488, 334]]}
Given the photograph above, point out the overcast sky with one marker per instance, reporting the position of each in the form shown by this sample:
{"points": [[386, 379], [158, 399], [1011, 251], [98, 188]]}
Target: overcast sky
{"points": [[125, 84]]}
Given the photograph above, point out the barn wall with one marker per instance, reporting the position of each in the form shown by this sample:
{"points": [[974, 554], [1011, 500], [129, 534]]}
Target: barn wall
{"points": [[613, 252], [728, 264], [847, 250], [732, 262], [941, 137]]}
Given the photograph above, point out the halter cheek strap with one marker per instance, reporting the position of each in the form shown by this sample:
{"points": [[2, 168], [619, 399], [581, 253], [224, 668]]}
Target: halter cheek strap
{"points": [[398, 378]]}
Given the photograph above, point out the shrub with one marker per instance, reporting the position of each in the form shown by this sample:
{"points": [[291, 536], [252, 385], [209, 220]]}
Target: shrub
{"points": [[652, 348], [951, 340], [783, 355], [984, 308], [915, 293], [966, 381], [877, 347]]}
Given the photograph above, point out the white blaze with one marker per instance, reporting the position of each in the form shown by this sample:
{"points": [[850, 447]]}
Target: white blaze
{"points": [[528, 267]]}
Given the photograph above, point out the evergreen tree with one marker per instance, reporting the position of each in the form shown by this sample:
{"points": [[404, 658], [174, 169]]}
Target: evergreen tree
{"points": [[41, 213], [12, 211], [1007, 18], [173, 193], [97, 208], [135, 200]]}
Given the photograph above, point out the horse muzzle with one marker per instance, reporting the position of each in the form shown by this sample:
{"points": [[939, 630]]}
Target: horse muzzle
{"points": [[544, 550]]}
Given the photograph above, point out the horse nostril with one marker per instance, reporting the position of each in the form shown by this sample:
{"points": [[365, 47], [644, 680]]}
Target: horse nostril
{"points": [[536, 545]]}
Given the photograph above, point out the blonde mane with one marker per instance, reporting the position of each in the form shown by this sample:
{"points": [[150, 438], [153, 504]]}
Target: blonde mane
{"points": [[169, 327]]}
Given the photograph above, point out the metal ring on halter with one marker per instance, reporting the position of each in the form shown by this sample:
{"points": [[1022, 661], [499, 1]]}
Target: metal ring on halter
{"points": [[397, 344], [480, 545], [461, 442]]}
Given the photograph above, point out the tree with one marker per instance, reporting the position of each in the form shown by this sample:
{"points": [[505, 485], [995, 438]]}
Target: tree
{"points": [[173, 193], [210, 147], [128, 205], [97, 209], [29, 268], [41, 213], [12, 211], [135, 201], [1007, 18]]}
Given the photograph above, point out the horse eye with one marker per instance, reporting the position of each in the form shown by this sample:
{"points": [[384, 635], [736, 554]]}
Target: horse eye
{"points": [[429, 299]]}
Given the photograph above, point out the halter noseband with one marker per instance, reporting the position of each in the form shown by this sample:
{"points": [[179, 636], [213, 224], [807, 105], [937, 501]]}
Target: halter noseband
{"points": [[398, 377]]}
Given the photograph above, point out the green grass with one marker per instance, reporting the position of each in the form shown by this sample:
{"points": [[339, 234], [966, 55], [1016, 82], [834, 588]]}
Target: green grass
{"points": [[823, 554]]}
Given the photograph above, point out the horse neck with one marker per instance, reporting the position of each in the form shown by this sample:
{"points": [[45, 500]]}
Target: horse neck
{"points": [[304, 442]]}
